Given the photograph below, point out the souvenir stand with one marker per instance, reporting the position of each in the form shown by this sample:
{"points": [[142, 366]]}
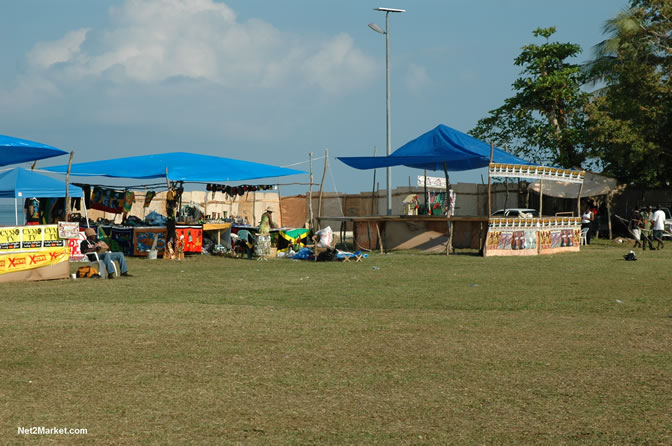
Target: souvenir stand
{"points": [[37, 251], [533, 236], [176, 168]]}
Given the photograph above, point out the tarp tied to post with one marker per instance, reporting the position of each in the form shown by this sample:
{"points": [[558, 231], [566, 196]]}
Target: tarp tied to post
{"points": [[178, 166], [441, 147]]}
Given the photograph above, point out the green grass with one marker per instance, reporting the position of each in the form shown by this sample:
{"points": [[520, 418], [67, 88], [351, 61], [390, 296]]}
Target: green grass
{"points": [[426, 349]]}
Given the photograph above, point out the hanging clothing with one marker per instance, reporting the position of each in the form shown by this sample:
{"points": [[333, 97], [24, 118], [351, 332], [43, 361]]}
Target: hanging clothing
{"points": [[129, 199], [148, 198]]}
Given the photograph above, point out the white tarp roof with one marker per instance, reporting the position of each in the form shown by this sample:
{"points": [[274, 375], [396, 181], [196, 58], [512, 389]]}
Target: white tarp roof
{"points": [[593, 185]]}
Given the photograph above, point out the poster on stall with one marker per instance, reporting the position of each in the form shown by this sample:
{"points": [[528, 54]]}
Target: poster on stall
{"points": [[143, 239], [74, 244], [10, 239], [507, 242], [193, 237], [559, 240], [20, 238], [22, 261]]}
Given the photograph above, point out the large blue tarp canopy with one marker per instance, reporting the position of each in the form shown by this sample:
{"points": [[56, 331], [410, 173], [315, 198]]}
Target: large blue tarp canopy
{"points": [[23, 183], [178, 166], [16, 150], [431, 150]]}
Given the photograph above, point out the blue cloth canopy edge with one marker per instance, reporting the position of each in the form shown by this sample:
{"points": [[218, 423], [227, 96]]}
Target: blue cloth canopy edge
{"points": [[440, 146], [180, 166]]}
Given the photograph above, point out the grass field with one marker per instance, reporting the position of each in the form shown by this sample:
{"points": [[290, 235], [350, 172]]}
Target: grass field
{"points": [[422, 349]]}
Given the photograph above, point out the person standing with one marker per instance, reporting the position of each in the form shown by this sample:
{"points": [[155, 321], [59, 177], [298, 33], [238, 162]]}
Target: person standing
{"points": [[647, 228], [32, 208], [658, 221], [634, 227], [586, 221], [266, 222]]}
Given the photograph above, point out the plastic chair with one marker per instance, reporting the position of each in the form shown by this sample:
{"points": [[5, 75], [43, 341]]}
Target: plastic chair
{"points": [[584, 235], [102, 269]]}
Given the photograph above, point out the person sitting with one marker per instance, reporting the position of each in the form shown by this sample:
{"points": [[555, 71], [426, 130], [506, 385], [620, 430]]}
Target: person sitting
{"points": [[92, 245], [586, 222]]}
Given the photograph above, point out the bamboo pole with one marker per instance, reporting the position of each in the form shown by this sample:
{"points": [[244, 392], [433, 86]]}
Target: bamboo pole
{"points": [[426, 192], [492, 153], [609, 197], [280, 223], [324, 173], [67, 188], [310, 192], [380, 240], [541, 197], [448, 210]]}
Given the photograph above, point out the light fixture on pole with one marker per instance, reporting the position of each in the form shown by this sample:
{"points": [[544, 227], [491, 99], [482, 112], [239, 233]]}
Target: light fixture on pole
{"points": [[377, 29]]}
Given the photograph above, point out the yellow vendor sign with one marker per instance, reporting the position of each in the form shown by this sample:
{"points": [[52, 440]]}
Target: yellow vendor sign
{"points": [[22, 261]]}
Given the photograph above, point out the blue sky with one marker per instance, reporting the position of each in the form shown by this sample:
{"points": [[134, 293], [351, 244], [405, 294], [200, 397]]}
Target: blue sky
{"points": [[265, 81]]}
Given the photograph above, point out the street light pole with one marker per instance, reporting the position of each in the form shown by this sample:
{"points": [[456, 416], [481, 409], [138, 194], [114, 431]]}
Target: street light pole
{"points": [[388, 124]]}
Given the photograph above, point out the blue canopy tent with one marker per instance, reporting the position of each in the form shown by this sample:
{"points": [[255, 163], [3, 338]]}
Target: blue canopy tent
{"points": [[16, 150], [22, 183], [441, 147], [177, 166]]}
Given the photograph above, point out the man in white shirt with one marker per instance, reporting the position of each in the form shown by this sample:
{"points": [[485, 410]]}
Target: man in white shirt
{"points": [[658, 221]]}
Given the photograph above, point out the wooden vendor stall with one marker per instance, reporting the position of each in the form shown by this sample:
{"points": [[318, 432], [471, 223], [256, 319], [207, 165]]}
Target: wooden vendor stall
{"points": [[424, 232], [33, 253], [533, 236]]}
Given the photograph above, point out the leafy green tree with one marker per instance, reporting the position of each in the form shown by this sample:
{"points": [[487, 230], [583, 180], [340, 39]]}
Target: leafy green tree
{"points": [[545, 121], [630, 116]]}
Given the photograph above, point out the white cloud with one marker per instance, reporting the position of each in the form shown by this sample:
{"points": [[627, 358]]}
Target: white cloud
{"points": [[45, 54], [156, 40], [417, 78]]}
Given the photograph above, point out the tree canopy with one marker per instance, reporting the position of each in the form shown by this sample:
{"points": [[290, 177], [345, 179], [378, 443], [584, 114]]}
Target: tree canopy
{"points": [[630, 116], [545, 120]]}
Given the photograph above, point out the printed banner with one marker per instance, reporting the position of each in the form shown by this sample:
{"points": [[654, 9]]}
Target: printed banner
{"points": [[536, 172], [108, 200], [37, 237], [67, 229], [559, 240], [143, 239], [532, 236], [22, 261], [193, 237], [432, 182], [74, 244], [521, 242]]}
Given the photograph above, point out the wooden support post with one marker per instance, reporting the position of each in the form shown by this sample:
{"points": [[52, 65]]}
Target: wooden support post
{"points": [[67, 188], [324, 173], [426, 212], [609, 197], [448, 210], [280, 223], [492, 153], [541, 197], [578, 200], [380, 239]]}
